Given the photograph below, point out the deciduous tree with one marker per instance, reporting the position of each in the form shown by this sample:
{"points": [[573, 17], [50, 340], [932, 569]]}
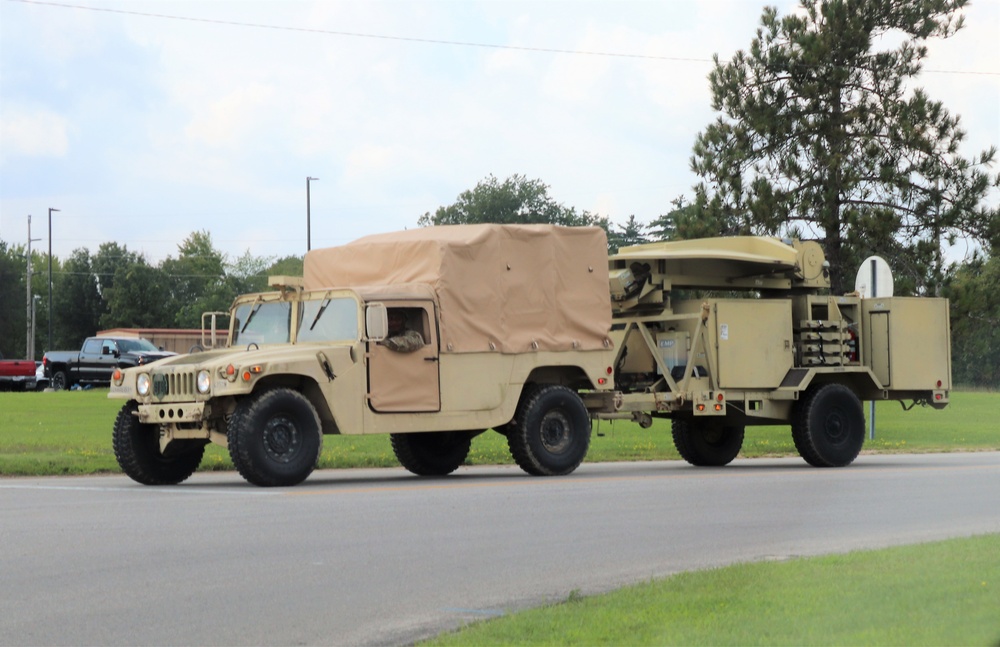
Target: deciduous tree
{"points": [[196, 280], [974, 290], [77, 303], [139, 298], [13, 314], [516, 200]]}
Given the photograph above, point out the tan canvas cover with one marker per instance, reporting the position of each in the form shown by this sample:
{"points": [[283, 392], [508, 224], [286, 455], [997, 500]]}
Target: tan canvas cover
{"points": [[510, 288]]}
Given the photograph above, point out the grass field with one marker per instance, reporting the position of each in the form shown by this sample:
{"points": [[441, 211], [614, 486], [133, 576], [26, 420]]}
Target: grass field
{"points": [[69, 432], [946, 593]]}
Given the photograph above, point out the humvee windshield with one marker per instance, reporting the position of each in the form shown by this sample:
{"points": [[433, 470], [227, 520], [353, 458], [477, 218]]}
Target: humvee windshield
{"points": [[262, 323], [329, 319], [323, 319]]}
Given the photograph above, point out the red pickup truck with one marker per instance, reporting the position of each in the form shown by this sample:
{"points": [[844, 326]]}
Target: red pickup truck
{"points": [[17, 374]]}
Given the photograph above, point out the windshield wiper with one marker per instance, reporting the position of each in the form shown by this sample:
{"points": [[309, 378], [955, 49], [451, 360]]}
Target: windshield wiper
{"points": [[319, 313], [253, 311]]}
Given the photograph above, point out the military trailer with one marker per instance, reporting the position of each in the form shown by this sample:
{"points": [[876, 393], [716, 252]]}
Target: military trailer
{"points": [[767, 346], [523, 330]]}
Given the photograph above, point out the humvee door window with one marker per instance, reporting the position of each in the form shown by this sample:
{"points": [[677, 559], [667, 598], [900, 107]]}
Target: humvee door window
{"points": [[328, 319]]}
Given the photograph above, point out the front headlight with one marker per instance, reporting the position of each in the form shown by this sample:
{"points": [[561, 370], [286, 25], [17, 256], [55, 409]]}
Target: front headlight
{"points": [[204, 381], [142, 384]]}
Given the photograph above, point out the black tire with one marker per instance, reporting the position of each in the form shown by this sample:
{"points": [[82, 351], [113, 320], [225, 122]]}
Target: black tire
{"points": [[275, 438], [432, 453], [137, 449], [828, 426], [706, 443], [550, 434], [59, 381]]}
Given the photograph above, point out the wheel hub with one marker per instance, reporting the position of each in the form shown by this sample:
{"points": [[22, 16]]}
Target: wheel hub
{"points": [[281, 439], [556, 436], [835, 427], [715, 436]]}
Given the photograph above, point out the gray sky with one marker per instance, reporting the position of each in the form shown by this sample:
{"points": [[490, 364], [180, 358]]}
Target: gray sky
{"points": [[142, 129]]}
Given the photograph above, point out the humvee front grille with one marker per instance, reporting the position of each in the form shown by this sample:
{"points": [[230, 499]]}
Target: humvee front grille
{"points": [[174, 385]]}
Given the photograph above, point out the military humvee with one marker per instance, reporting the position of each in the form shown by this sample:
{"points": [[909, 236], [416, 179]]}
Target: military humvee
{"points": [[515, 323], [520, 331]]}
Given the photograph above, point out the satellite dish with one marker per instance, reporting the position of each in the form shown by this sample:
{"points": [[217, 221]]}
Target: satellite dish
{"points": [[874, 278]]}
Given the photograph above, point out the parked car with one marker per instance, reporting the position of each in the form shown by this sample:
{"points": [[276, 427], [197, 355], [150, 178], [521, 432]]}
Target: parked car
{"points": [[97, 360], [41, 382]]}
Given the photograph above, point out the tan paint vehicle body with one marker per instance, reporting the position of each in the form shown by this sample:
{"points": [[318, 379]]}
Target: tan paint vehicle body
{"points": [[523, 335], [759, 355], [509, 315]]}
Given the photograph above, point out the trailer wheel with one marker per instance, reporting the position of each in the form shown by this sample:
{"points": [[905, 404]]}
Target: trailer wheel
{"points": [[432, 453], [551, 432], [59, 381], [275, 438], [137, 450], [707, 445], [828, 426]]}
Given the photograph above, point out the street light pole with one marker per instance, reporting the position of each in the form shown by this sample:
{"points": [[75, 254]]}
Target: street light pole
{"points": [[308, 214], [50, 277]]}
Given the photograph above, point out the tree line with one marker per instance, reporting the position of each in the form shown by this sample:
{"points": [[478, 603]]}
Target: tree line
{"points": [[119, 288]]}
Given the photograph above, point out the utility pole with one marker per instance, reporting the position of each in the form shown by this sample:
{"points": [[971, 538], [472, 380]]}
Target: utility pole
{"points": [[34, 318], [29, 346], [308, 214], [50, 277]]}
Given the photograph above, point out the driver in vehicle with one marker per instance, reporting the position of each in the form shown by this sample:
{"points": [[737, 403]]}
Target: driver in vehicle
{"points": [[401, 339]]}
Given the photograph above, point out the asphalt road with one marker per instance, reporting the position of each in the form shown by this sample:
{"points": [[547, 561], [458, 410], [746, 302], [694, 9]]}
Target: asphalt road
{"points": [[382, 557]]}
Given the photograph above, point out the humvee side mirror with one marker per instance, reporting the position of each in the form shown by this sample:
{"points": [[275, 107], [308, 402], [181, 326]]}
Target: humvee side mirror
{"points": [[376, 322]]}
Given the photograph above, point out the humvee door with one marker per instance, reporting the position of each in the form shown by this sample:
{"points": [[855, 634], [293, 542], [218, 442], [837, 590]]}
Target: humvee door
{"points": [[404, 382]]}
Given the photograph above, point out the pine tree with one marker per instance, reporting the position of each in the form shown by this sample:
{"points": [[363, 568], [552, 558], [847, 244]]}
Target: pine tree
{"points": [[820, 131]]}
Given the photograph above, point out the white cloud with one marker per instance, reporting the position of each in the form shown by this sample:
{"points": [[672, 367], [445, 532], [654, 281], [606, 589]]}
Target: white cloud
{"points": [[232, 118], [32, 132]]}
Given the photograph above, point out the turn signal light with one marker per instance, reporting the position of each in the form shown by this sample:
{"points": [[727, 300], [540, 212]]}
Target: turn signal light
{"points": [[701, 407], [256, 369], [718, 407]]}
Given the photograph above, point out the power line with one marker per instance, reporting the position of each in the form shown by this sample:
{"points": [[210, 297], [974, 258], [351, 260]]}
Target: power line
{"points": [[412, 39], [332, 32]]}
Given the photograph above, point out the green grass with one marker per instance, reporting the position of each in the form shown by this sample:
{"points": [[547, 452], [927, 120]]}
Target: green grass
{"points": [[946, 593], [69, 432]]}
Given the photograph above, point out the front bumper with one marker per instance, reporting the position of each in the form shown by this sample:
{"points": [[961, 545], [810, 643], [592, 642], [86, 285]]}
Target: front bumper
{"points": [[174, 413]]}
